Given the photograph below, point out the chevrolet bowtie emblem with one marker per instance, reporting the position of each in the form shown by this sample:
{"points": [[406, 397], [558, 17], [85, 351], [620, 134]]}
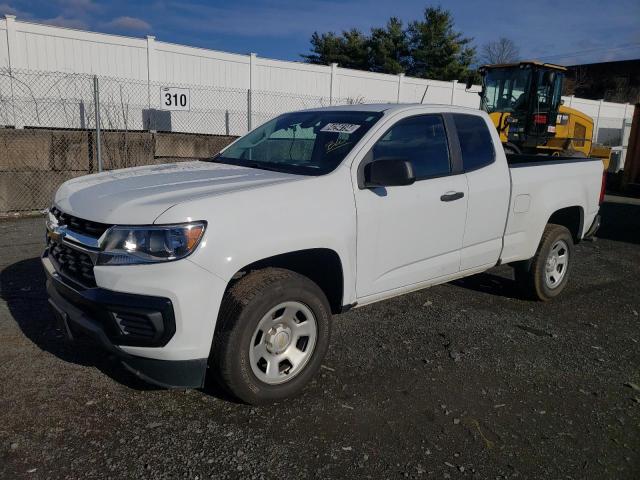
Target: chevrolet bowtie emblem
{"points": [[57, 233], [54, 231]]}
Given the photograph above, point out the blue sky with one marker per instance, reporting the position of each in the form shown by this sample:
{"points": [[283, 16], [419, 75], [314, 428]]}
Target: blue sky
{"points": [[565, 32]]}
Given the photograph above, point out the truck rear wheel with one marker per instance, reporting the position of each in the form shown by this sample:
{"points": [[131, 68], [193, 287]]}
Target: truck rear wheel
{"points": [[272, 334], [546, 274]]}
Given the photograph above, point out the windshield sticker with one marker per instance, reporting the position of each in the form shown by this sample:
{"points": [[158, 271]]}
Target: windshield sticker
{"points": [[348, 128]]}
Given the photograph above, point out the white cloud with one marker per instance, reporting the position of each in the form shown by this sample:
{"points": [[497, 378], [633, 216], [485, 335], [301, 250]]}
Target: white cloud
{"points": [[61, 21], [130, 24], [6, 9]]}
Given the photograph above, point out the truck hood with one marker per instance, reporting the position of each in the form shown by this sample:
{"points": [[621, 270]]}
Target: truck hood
{"points": [[139, 195]]}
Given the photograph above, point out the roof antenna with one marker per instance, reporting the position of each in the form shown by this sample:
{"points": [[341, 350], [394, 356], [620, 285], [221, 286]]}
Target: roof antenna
{"points": [[424, 94]]}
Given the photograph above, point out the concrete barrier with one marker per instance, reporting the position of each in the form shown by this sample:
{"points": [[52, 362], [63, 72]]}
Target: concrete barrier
{"points": [[28, 191], [34, 162], [187, 145], [126, 149], [43, 150]]}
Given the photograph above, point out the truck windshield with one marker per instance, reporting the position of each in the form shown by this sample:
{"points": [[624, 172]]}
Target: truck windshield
{"points": [[306, 143], [505, 89]]}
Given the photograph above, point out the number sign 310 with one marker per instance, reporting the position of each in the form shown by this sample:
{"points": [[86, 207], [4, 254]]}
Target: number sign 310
{"points": [[172, 98]]}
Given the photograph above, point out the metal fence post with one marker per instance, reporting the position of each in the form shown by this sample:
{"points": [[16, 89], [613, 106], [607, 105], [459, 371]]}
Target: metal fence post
{"points": [[12, 54], [96, 107], [252, 79], [249, 111], [227, 128], [453, 91]]}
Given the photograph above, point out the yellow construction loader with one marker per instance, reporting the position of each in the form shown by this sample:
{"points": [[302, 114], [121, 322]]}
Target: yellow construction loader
{"points": [[524, 100]]}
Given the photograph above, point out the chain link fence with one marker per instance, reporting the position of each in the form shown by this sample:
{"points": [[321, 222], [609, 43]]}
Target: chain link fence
{"points": [[55, 126], [49, 127]]}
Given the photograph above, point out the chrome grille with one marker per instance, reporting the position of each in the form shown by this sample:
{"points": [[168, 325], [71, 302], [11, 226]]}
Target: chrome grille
{"points": [[80, 225], [72, 263]]}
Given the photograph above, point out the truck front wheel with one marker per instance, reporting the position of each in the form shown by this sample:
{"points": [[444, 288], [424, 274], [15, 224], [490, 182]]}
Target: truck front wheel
{"points": [[546, 274], [272, 334]]}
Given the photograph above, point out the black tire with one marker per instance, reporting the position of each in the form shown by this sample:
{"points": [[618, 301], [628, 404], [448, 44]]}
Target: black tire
{"points": [[530, 275], [243, 306]]}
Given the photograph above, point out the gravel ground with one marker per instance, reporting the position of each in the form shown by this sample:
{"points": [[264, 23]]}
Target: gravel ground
{"points": [[464, 380]]}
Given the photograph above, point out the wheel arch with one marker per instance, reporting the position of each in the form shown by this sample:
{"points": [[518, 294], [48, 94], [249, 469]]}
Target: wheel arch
{"points": [[571, 218], [323, 266]]}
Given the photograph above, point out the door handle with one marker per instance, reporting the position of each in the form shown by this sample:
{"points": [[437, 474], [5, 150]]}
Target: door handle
{"points": [[451, 196]]}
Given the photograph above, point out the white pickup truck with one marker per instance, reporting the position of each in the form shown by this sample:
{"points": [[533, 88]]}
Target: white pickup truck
{"points": [[230, 268]]}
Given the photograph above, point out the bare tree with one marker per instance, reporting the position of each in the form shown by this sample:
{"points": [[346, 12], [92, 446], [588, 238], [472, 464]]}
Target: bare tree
{"points": [[503, 50]]}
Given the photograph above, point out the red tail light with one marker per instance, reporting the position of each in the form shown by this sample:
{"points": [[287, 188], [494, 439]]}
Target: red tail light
{"points": [[540, 118], [603, 188]]}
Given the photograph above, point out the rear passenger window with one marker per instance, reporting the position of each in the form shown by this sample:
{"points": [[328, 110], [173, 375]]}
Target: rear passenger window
{"points": [[422, 140], [475, 141]]}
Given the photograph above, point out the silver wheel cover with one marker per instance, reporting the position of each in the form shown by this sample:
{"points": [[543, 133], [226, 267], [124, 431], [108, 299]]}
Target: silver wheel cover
{"points": [[283, 342], [556, 265]]}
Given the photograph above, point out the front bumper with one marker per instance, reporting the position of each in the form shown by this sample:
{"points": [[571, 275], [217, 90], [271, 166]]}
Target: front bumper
{"points": [[98, 314]]}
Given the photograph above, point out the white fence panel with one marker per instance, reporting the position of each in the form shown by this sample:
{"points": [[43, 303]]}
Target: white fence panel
{"points": [[175, 64], [45, 48], [467, 98], [413, 91], [292, 77], [371, 87]]}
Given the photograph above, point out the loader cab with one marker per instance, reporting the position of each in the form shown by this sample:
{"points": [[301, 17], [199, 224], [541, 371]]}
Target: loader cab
{"points": [[523, 100]]}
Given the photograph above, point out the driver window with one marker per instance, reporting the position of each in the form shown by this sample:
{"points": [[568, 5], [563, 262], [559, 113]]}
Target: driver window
{"points": [[422, 140]]}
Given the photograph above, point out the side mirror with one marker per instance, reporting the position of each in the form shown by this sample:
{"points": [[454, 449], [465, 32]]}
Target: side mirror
{"points": [[469, 83], [388, 172]]}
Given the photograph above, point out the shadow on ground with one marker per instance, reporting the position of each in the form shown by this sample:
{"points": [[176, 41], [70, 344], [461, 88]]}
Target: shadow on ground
{"points": [[22, 287], [492, 284]]}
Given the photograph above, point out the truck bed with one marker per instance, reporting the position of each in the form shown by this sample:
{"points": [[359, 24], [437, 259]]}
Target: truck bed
{"points": [[540, 183], [515, 160]]}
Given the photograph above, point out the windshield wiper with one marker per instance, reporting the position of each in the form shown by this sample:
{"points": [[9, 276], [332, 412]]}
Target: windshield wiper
{"points": [[261, 166], [272, 167]]}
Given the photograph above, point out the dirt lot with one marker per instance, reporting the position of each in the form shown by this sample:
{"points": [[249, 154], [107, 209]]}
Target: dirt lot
{"points": [[464, 380]]}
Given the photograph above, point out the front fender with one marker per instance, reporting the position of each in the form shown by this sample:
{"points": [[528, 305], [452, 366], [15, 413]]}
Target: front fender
{"points": [[248, 226]]}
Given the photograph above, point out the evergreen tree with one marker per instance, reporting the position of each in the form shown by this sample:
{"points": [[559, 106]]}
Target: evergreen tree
{"points": [[388, 48], [437, 51], [428, 48]]}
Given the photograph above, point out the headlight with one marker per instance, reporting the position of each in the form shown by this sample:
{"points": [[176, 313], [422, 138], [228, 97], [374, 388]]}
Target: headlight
{"points": [[149, 244]]}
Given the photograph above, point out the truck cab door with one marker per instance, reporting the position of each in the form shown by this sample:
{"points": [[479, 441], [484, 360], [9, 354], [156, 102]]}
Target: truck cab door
{"points": [[411, 234], [489, 185]]}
